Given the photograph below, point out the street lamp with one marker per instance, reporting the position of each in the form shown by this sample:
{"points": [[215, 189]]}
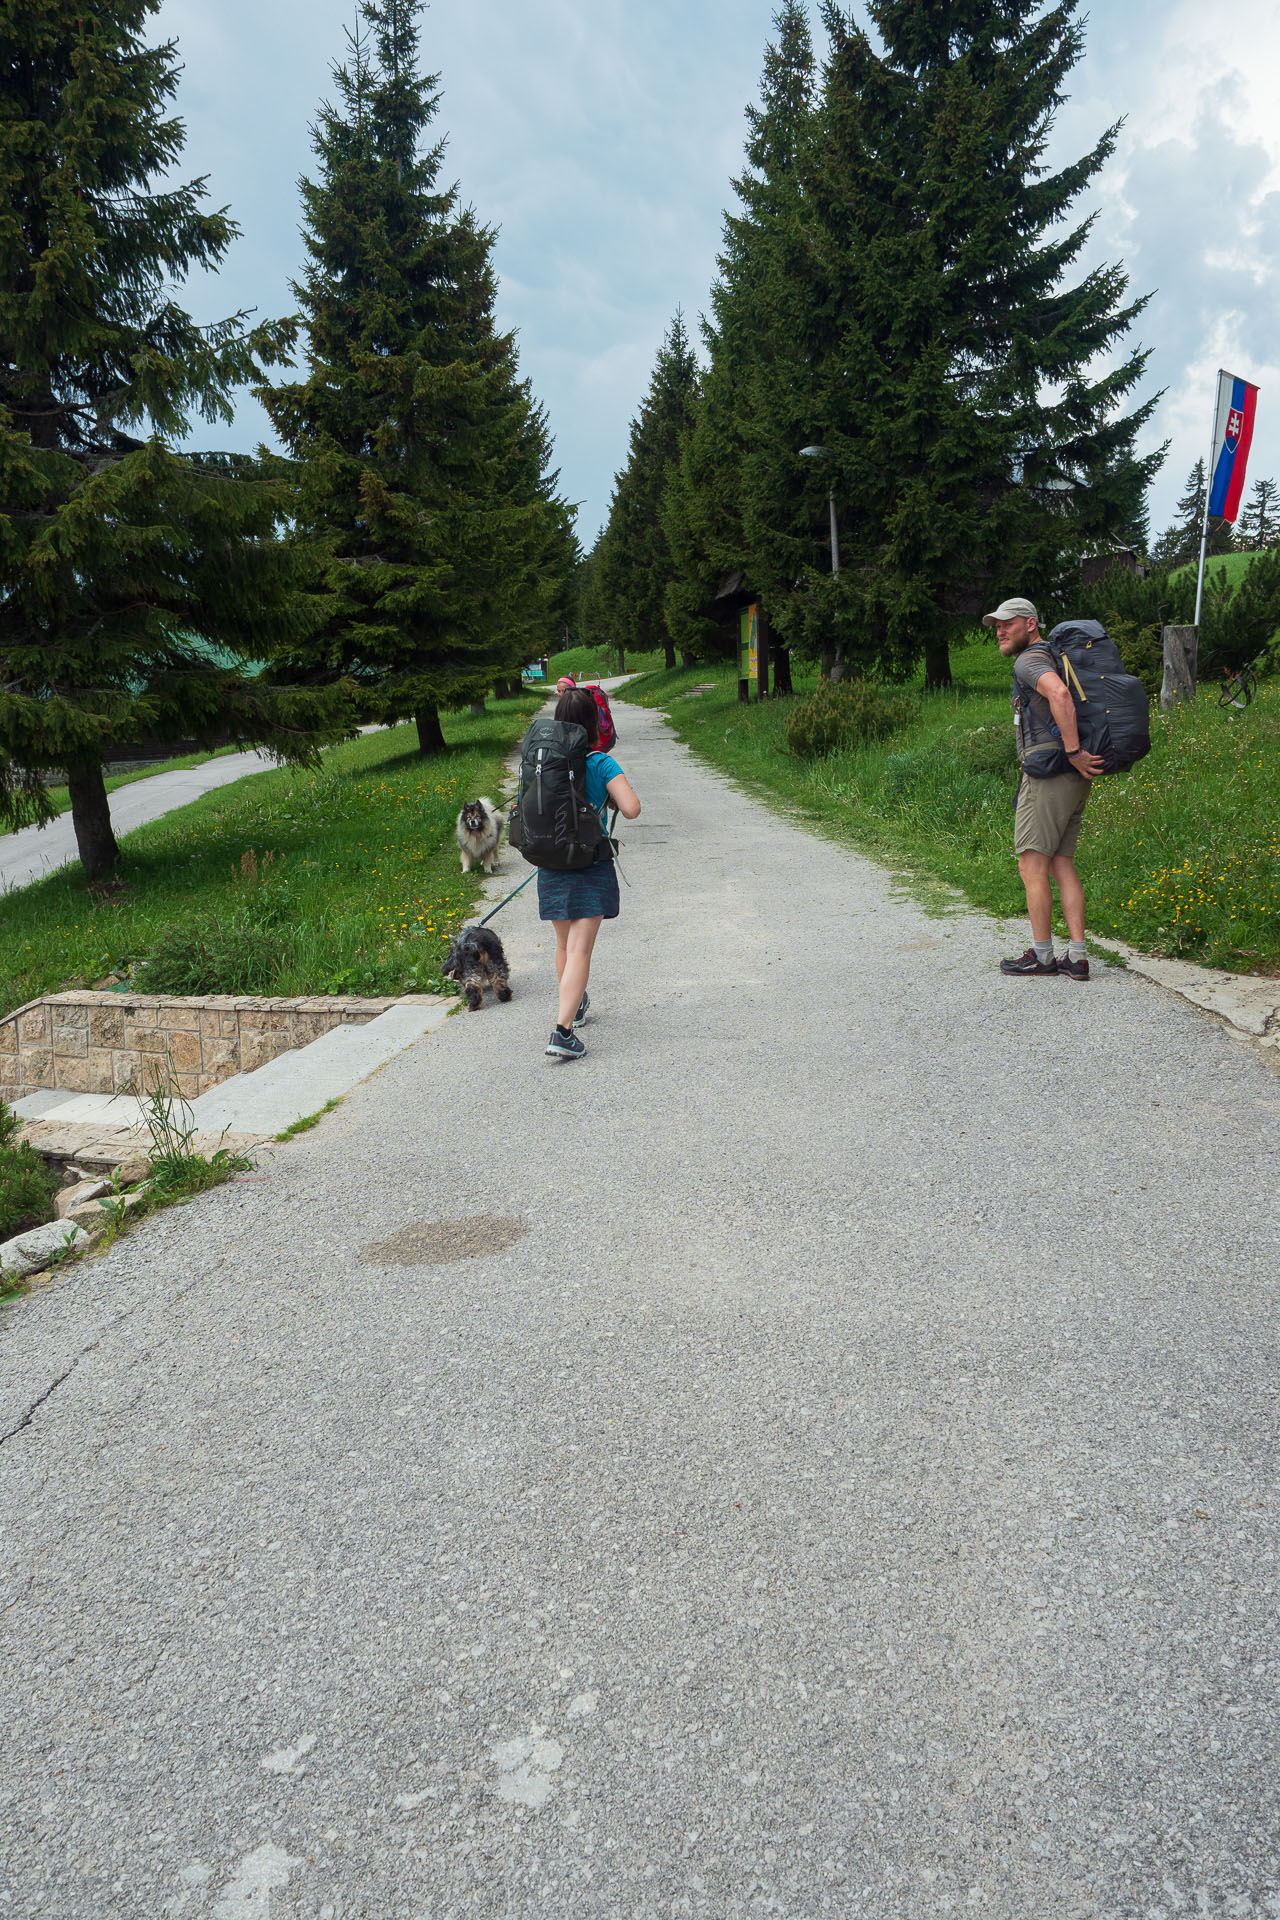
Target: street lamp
{"points": [[820, 453]]}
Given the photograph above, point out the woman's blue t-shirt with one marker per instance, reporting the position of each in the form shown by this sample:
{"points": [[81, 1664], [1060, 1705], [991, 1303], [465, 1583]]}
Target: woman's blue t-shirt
{"points": [[601, 769]]}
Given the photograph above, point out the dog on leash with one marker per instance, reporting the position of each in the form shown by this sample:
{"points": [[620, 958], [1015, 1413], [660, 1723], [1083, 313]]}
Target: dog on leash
{"points": [[480, 826], [475, 960]]}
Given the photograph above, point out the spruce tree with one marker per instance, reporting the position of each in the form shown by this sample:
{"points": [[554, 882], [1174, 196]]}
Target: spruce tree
{"points": [[138, 585], [423, 495], [1260, 521], [634, 564], [1179, 544], [718, 525], [973, 392]]}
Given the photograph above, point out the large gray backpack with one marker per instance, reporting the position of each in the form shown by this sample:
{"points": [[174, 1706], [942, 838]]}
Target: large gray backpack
{"points": [[1112, 710], [552, 823]]}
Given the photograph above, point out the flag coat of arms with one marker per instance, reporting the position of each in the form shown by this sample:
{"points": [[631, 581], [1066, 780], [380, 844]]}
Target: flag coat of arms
{"points": [[1232, 432]]}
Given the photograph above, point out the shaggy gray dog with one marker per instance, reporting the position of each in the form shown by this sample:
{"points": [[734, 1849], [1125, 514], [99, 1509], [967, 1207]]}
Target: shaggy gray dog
{"points": [[480, 826], [475, 960]]}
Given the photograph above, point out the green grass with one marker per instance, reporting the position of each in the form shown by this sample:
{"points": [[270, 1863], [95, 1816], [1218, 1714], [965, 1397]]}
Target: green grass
{"points": [[308, 1120], [1179, 856], [1234, 565], [61, 798], [359, 896], [599, 663]]}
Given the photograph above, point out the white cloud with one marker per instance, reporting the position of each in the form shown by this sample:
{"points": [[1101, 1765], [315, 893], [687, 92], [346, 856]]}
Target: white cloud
{"points": [[601, 140]]}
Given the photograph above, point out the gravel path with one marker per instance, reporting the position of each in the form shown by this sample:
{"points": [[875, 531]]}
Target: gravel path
{"points": [[832, 1473]]}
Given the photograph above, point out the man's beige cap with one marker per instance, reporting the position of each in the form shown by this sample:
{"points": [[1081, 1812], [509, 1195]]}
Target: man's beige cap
{"points": [[1011, 610]]}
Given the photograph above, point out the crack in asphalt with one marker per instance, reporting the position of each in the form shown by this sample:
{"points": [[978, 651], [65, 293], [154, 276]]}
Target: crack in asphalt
{"points": [[40, 1399]]}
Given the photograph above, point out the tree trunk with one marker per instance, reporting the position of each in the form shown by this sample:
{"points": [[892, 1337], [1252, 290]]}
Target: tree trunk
{"points": [[670, 656], [1179, 683], [91, 818], [782, 670], [687, 660], [477, 709], [937, 666], [430, 736], [833, 664], [622, 665]]}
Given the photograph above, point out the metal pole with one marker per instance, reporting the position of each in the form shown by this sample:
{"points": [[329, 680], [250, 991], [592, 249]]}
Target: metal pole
{"points": [[835, 536], [1208, 486]]}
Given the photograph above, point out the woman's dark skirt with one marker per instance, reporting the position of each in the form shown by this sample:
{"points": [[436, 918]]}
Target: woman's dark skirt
{"points": [[579, 896]]}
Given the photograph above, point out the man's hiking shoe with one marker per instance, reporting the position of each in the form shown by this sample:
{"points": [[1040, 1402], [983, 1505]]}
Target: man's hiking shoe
{"points": [[1028, 962], [1074, 969], [564, 1046], [581, 1014]]}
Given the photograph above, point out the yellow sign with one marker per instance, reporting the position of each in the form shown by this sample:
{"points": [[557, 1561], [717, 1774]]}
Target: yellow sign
{"points": [[749, 660]]}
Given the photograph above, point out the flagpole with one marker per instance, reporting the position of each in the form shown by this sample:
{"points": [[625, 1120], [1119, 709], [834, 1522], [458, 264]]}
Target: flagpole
{"points": [[1208, 486]]}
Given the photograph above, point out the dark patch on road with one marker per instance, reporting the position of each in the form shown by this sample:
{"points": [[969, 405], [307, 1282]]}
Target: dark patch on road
{"points": [[434, 1243]]}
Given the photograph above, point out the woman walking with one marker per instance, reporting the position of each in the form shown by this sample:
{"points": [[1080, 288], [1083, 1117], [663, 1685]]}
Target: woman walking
{"points": [[576, 902]]}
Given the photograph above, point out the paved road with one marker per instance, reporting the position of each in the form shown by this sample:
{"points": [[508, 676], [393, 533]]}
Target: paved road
{"points": [[36, 851], [839, 1480]]}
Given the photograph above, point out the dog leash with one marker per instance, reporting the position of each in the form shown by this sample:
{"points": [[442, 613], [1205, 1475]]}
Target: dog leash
{"points": [[511, 896]]}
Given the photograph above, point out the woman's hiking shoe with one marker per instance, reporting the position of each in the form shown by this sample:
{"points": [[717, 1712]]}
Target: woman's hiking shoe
{"points": [[1074, 969], [564, 1046], [581, 1014], [1029, 962]]}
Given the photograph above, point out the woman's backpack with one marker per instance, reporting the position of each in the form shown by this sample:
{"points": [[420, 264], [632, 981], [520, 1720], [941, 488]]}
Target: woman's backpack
{"points": [[552, 823], [608, 733], [1112, 711]]}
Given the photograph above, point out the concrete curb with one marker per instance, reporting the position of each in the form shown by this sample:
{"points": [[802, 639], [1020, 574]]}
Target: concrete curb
{"points": [[1249, 1003]]}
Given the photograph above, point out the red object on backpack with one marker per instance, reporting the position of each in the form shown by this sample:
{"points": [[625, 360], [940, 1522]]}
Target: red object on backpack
{"points": [[607, 733]]}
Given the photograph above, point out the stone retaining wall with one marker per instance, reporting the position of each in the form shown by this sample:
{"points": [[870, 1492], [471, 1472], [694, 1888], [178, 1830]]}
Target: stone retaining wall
{"points": [[113, 1042]]}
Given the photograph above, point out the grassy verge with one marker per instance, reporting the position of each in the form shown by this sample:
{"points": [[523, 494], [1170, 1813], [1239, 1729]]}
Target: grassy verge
{"points": [[1179, 856], [345, 880], [599, 663], [61, 798]]}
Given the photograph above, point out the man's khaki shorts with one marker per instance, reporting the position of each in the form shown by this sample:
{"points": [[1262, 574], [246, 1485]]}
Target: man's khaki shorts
{"points": [[1047, 816]]}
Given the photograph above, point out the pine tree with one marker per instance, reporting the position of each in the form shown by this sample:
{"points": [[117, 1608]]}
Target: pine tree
{"points": [[974, 430], [634, 564], [138, 585], [717, 525], [1179, 544], [423, 493], [1260, 521]]}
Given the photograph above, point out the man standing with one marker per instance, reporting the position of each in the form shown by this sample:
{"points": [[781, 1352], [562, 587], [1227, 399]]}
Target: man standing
{"points": [[1046, 820]]}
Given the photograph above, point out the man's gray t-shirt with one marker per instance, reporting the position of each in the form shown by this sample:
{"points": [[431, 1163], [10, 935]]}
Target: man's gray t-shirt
{"points": [[1028, 667]]}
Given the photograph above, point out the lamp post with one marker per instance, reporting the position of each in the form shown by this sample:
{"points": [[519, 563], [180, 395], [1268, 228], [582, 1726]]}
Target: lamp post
{"points": [[820, 453], [832, 663]]}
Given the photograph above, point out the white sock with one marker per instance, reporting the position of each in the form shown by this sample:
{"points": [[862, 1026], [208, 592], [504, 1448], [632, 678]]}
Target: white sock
{"points": [[1076, 949], [1044, 954]]}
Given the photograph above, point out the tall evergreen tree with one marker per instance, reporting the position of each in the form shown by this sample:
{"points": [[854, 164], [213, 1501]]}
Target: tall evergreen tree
{"points": [[718, 526], [971, 394], [1260, 521], [634, 563], [137, 583], [1180, 541], [423, 491]]}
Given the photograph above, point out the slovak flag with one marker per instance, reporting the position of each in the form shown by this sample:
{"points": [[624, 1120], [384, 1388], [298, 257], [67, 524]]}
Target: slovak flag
{"points": [[1232, 432]]}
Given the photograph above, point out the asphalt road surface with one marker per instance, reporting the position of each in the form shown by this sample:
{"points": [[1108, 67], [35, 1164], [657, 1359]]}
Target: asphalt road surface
{"points": [[814, 1455], [36, 851]]}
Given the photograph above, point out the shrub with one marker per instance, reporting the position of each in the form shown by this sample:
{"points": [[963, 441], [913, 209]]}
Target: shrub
{"points": [[242, 954], [27, 1185], [1141, 649], [846, 713], [988, 749]]}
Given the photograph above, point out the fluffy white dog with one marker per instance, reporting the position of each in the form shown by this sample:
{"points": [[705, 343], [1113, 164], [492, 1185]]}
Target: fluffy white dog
{"points": [[480, 826]]}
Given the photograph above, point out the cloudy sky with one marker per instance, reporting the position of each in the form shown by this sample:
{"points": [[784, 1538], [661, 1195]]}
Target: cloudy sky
{"points": [[599, 137]]}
